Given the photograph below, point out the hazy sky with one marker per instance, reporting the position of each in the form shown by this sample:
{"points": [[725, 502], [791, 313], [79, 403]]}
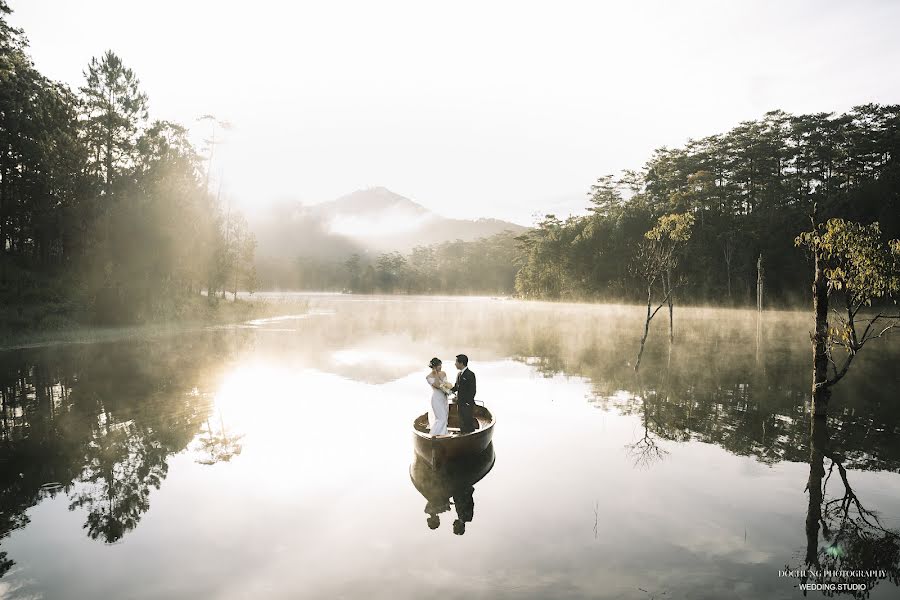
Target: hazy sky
{"points": [[503, 109]]}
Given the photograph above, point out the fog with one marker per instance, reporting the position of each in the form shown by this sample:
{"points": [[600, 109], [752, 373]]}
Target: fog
{"points": [[504, 111], [301, 423]]}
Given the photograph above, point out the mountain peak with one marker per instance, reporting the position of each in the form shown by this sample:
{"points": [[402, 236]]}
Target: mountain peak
{"points": [[371, 200], [372, 219]]}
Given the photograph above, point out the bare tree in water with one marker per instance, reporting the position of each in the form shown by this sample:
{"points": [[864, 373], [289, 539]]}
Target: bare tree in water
{"points": [[656, 265]]}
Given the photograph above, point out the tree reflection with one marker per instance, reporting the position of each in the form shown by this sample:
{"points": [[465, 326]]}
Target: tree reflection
{"points": [[748, 411], [100, 421], [218, 446], [122, 463], [8, 523], [646, 451], [853, 536], [716, 388]]}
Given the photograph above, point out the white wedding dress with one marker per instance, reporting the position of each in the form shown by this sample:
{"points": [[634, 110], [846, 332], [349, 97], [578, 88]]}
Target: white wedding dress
{"points": [[439, 406]]}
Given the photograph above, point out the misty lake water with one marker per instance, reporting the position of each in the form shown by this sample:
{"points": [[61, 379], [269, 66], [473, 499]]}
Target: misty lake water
{"points": [[273, 458]]}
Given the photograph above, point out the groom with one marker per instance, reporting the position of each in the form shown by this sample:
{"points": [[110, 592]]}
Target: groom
{"points": [[465, 394]]}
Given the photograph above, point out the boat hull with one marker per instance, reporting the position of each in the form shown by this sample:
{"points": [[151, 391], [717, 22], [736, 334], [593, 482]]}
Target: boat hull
{"points": [[438, 451]]}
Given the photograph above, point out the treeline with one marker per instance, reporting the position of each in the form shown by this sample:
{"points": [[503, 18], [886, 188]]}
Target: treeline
{"points": [[750, 191], [102, 209], [484, 266]]}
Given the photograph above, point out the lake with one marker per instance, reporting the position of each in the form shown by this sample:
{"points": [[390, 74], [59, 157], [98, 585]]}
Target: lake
{"points": [[274, 459]]}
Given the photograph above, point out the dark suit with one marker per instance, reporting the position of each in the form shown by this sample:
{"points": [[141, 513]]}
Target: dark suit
{"points": [[465, 508], [465, 399]]}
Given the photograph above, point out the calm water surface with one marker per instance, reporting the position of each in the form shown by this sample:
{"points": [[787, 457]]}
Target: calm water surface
{"points": [[274, 459]]}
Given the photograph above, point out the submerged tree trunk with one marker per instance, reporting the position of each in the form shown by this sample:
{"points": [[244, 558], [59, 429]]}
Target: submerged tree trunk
{"points": [[637, 363], [4, 181], [671, 294], [820, 388], [760, 283], [3, 414], [759, 301], [728, 253]]}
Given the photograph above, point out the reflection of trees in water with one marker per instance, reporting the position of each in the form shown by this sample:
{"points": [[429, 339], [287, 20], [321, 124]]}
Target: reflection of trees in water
{"points": [[855, 539], [218, 446], [645, 450], [712, 389], [717, 390], [121, 464], [98, 423], [5, 564], [9, 521], [756, 419]]}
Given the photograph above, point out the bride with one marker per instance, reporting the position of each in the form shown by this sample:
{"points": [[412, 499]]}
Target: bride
{"points": [[437, 379]]}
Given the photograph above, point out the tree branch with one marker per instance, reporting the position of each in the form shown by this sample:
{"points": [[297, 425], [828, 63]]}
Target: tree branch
{"points": [[662, 303]]}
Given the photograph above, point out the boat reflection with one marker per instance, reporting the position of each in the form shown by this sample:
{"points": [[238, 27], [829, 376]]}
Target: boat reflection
{"points": [[455, 481]]}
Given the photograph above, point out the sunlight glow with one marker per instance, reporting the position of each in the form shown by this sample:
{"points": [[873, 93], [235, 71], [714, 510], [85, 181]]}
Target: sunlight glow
{"points": [[292, 415], [326, 98], [359, 357]]}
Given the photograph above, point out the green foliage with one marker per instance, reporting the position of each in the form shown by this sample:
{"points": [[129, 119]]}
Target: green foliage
{"points": [[857, 260], [605, 196], [111, 208], [658, 254], [672, 229], [852, 260], [114, 109], [748, 190], [483, 266], [547, 269]]}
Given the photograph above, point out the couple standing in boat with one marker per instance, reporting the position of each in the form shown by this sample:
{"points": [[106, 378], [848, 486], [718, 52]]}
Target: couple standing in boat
{"points": [[465, 396]]}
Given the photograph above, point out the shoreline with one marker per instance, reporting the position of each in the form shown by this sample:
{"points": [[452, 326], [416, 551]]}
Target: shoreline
{"points": [[285, 295], [227, 313]]}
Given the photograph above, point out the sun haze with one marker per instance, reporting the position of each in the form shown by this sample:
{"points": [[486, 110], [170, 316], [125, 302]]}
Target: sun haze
{"points": [[501, 109]]}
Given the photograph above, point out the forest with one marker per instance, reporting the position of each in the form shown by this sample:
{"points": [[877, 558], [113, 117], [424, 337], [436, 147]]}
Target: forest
{"points": [[750, 192], [109, 216], [106, 215], [484, 266]]}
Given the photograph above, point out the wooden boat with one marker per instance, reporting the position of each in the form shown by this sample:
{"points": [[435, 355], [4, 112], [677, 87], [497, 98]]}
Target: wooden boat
{"points": [[437, 451]]}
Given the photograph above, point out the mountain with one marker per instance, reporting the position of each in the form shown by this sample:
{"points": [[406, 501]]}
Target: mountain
{"points": [[372, 220], [371, 201]]}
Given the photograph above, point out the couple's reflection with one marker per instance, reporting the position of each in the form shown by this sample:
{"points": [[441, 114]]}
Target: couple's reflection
{"points": [[455, 481]]}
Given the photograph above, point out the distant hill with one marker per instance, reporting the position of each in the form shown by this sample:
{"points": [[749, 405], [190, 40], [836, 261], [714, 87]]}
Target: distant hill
{"points": [[366, 221]]}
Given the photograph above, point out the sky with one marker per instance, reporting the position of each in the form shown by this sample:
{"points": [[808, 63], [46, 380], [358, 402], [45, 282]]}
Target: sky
{"points": [[473, 109]]}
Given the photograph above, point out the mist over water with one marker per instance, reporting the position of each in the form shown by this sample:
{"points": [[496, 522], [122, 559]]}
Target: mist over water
{"points": [[275, 459], [172, 426]]}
